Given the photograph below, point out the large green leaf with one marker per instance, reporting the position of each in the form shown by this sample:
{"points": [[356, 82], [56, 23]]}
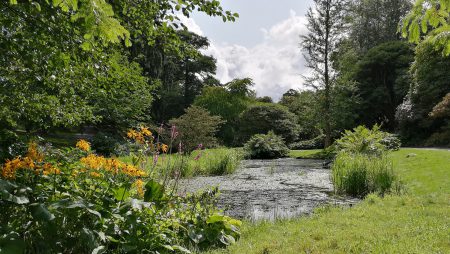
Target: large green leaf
{"points": [[154, 191], [40, 212]]}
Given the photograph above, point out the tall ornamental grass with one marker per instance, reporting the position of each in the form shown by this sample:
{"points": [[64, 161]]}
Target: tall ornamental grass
{"points": [[220, 161], [360, 174]]}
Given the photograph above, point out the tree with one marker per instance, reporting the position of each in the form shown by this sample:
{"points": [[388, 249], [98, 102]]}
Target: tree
{"points": [[197, 127], [383, 80], [54, 55], [183, 77], [372, 22], [304, 105], [430, 84], [262, 118], [428, 14], [325, 24], [228, 102]]}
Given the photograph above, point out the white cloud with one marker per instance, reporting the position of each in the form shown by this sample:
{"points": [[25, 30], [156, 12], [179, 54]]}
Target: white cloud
{"points": [[275, 64]]}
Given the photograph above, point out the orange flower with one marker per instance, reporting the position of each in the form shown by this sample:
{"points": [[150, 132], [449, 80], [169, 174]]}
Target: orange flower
{"points": [[115, 166], [164, 148], [131, 134], [50, 169], [139, 184], [145, 131], [95, 174], [83, 145], [33, 152]]}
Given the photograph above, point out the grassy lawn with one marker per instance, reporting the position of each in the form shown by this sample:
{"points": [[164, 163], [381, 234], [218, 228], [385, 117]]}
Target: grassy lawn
{"points": [[416, 222], [305, 154]]}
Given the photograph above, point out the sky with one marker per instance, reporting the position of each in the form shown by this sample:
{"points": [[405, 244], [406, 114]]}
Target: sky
{"points": [[262, 44]]}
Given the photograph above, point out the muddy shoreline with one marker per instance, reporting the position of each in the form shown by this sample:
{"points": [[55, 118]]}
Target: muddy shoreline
{"points": [[271, 189]]}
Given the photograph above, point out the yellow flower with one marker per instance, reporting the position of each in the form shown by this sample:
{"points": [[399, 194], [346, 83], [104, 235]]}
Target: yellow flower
{"points": [[145, 131], [33, 152], [93, 161], [164, 148], [10, 167], [50, 169], [111, 165], [83, 145], [131, 134], [139, 184], [95, 174]]}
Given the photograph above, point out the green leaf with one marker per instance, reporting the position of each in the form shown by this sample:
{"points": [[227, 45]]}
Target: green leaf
{"points": [[99, 250], [181, 249], [121, 193], [36, 5], [40, 212], [215, 218], [154, 191], [227, 239]]}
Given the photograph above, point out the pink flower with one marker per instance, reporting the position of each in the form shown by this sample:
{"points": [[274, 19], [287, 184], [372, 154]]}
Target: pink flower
{"points": [[179, 147], [173, 132], [155, 159]]}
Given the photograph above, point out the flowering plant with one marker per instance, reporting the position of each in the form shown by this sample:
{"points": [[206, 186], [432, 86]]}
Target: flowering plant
{"points": [[75, 201]]}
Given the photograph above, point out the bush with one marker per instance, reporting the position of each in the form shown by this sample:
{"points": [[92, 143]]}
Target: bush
{"points": [[7, 140], [269, 146], [391, 141], [367, 141], [105, 144], [315, 143], [197, 126], [260, 119], [360, 174]]}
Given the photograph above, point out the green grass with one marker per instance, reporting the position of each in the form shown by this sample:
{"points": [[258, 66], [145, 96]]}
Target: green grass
{"points": [[360, 174], [218, 161], [305, 154], [416, 222]]}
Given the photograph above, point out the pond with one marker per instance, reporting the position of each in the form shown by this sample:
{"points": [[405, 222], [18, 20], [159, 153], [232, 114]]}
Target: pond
{"points": [[272, 189]]}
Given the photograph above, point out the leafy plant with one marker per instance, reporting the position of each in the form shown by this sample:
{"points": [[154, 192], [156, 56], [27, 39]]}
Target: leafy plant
{"points": [[315, 143], [367, 141], [266, 146]]}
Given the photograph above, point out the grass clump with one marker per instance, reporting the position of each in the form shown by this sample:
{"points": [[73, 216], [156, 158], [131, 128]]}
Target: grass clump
{"points": [[360, 174], [221, 161]]}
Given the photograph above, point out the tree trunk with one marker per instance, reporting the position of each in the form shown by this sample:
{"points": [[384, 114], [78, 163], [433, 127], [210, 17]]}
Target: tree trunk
{"points": [[327, 102]]}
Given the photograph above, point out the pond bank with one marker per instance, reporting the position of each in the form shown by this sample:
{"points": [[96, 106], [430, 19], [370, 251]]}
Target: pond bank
{"points": [[271, 189]]}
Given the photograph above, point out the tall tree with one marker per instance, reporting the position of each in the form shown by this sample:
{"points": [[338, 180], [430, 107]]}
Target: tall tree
{"points": [[383, 80], [372, 22], [183, 76], [325, 25]]}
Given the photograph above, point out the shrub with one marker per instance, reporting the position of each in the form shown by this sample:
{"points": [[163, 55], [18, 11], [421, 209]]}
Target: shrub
{"points": [[315, 143], [269, 146], [260, 119], [391, 141], [196, 127], [105, 144], [367, 141], [360, 174]]}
